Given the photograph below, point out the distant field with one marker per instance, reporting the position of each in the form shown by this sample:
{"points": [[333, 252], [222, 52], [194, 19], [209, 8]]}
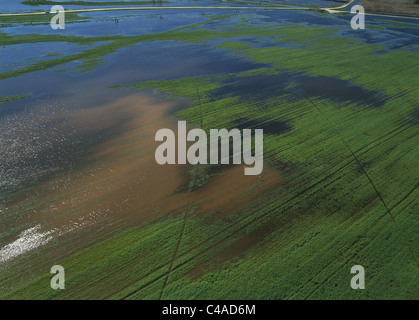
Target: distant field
{"points": [[410, 7]]}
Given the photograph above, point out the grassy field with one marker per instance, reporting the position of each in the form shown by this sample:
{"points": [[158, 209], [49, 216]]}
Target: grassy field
{"points": [[348, 193]]}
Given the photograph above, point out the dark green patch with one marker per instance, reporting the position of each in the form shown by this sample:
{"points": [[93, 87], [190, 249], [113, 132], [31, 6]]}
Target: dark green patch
{"points": [[269, 126], [13, 98]]}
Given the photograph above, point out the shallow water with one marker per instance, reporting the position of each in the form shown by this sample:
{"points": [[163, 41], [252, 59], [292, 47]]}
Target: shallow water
{"points": [[50, 133], [38, 142], [14, 6], [25, 54]]}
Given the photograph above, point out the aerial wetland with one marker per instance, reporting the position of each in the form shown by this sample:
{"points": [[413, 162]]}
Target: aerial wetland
{"points": [[79, 182]]}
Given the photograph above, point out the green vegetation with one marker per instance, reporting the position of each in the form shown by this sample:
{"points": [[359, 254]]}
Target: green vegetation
{"points": [[89, 64], [397, 24], [13, 98], [88, 55], [323, 177], [113, 43], [52, 54], [348, 194]]}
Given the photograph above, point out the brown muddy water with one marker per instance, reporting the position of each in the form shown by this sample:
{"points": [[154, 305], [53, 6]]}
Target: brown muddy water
{"points": [[114, 183], [77, 158]]}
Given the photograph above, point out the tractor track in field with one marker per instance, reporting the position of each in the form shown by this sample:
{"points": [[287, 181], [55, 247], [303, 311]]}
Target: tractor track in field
{"points": [[380, 197], [386, 137], [310, 281], [185, 220], [246, 225], [373, 144], [383, 139], [327, 278], [405, 197]]}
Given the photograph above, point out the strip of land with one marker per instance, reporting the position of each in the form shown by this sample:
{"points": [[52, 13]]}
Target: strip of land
{"points": [[331, 10]]}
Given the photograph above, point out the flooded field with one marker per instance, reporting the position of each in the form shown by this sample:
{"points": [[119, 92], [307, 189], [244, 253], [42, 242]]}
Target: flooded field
{"points": [[80, 186]]}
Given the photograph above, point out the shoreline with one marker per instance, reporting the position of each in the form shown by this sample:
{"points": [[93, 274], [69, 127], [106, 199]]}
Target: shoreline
{"points": [[119, 185], [330, 10]]}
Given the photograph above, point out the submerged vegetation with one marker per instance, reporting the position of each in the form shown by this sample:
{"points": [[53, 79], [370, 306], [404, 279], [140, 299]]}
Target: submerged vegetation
{"points": [[13, 98], [340, 131], [38, 19]]}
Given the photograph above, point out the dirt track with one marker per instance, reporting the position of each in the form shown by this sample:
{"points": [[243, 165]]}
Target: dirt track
{"points": [[373, 5], [159, 8]]}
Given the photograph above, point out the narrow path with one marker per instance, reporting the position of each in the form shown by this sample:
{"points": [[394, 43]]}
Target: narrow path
{"points": [[175, 254], [159, 8], [188, 210], [335, 9], [377, 192], [332, 10]]}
